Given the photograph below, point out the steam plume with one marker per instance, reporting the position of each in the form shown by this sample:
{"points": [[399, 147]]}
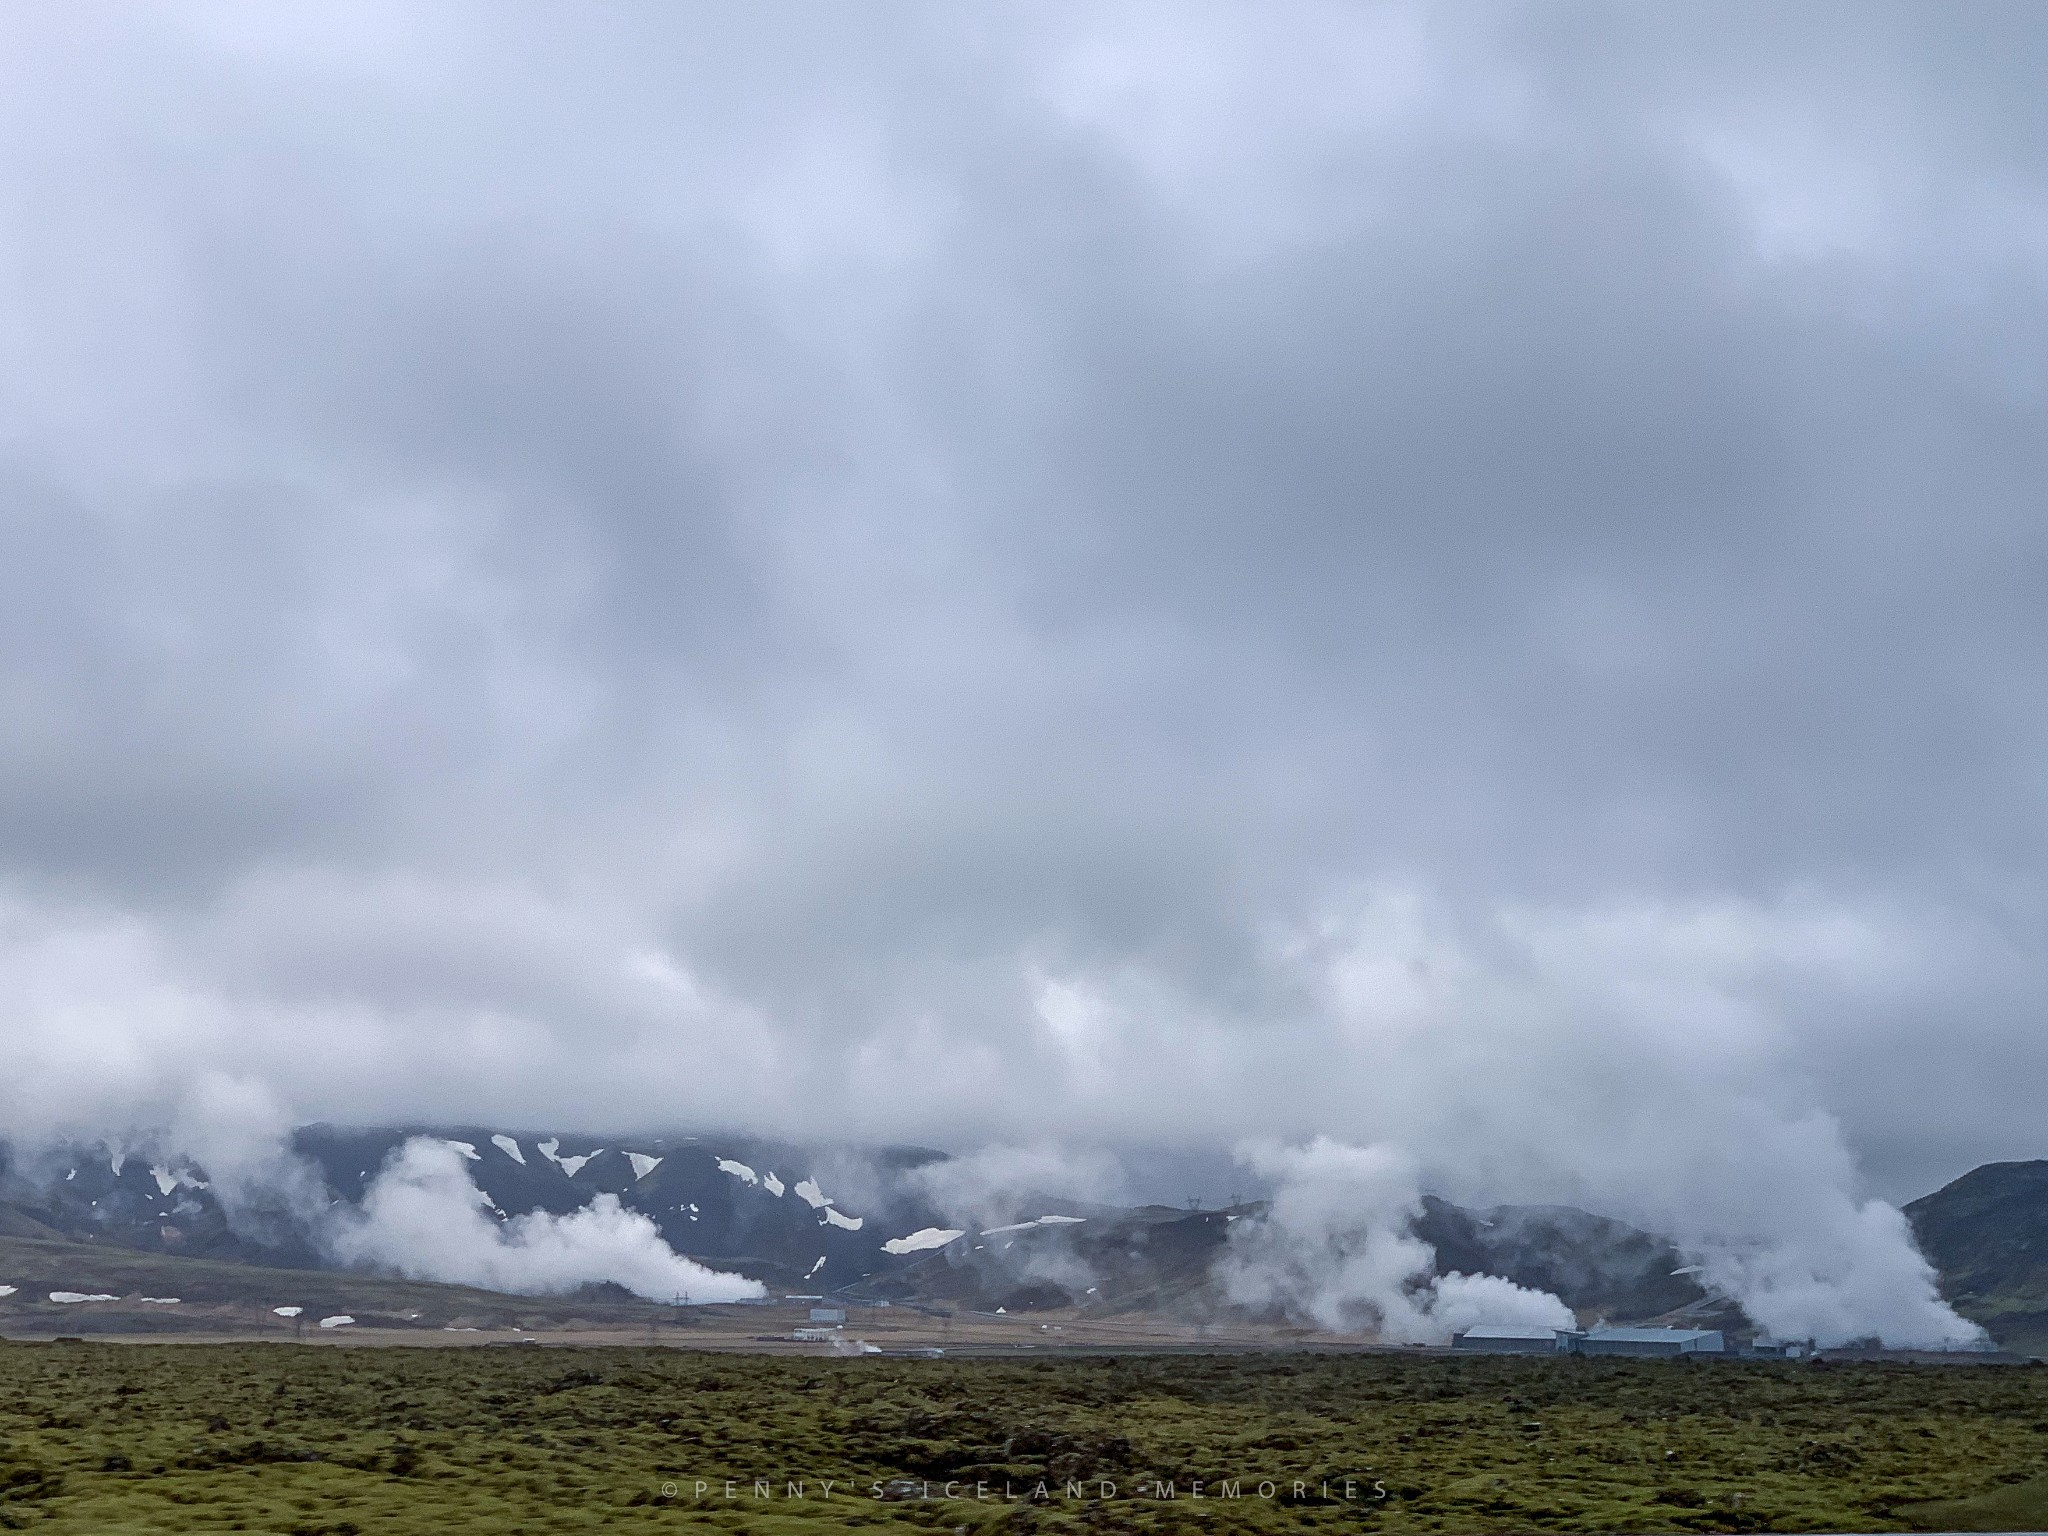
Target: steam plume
{"points": [[1335, 1246], [425, 1218]]}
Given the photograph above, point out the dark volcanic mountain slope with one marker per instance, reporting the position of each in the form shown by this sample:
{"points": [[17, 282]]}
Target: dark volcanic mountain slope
{"points": [[1149, 1258], [134, 1200], [794, 1216], [813, 1219], [799, 1218], [1987, 1235], [1157, 1258]]}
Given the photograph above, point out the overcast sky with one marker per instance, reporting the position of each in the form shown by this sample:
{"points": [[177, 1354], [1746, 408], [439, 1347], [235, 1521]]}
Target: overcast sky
{"points": [[1163, 573]]}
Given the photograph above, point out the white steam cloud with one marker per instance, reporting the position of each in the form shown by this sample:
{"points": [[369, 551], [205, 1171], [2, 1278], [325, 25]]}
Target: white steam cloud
{"points": [[1637, 1061], [1335, 1247], [424, 1218], [1775, 1224]]}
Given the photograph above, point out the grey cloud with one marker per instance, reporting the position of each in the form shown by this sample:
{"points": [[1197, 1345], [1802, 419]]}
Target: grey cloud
{"points": [[914, 576]]}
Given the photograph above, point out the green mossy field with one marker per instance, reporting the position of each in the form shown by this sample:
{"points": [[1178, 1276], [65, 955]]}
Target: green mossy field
{"points": [[113, 1438]]}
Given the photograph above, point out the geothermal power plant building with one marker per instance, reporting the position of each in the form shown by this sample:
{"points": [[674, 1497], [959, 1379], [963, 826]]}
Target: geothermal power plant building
{"points": [[1511, 1340], [1654, 1342], [1648, 1343]]}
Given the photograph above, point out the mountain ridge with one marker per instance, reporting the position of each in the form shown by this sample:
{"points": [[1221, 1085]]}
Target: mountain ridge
{"points": [[858, 1221]]}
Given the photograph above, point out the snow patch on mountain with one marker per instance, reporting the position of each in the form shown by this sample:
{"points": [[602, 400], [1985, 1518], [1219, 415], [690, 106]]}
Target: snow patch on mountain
{"points": [[738, 1170], [1041, 1221], [643, 1164], [551, 1149], [918, 1242], [510, 1148]]}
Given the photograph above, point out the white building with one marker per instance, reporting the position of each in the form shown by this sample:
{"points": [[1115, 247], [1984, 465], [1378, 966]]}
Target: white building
{"points": [[1654, 1342], [1516, 1339]]}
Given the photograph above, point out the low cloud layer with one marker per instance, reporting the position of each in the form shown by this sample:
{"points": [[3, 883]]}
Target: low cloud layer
{"points": [[1127, 574], [424, 1218]]}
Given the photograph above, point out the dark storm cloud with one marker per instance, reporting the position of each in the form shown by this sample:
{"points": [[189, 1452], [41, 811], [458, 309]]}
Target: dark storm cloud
{"points": [[932, 574]]}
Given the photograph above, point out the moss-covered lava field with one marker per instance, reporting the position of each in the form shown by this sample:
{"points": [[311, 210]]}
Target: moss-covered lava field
{"points": [[125, 1437]]}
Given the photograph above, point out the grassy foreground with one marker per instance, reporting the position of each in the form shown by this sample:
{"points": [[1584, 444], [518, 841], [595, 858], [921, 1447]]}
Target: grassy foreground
{"points": [[113, 1438]]}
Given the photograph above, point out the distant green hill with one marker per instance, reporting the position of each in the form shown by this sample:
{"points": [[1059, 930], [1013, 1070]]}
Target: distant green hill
{"points": [[1987, 1233]]}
